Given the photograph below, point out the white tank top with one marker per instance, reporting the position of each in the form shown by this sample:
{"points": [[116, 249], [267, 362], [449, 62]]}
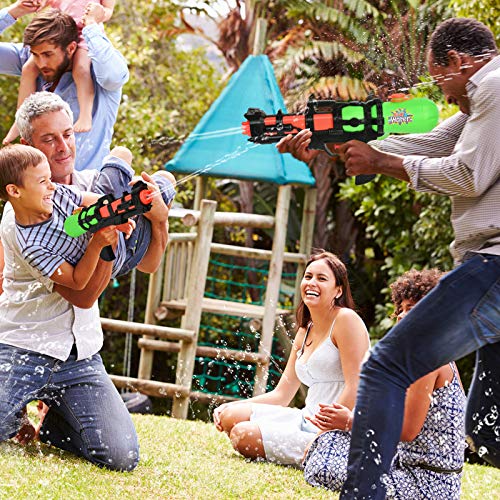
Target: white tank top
{"points": [[321, 373]]}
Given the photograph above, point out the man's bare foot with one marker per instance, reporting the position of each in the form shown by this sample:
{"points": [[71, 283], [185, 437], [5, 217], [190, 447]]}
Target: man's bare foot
{"points": [[83, 124], [30, 431], [27, 433], [123, 153], [12, 135]]}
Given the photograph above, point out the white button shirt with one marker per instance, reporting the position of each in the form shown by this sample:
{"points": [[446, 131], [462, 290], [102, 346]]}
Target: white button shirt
{"points": [[32, 315], [460, 158]]}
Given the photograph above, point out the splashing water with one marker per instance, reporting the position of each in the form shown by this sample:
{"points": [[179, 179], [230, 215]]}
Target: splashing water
{"points": [[224, 159]]}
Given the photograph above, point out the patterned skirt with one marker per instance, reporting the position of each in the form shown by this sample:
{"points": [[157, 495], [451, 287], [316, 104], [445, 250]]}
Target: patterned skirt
{"points": [[326, 466]]}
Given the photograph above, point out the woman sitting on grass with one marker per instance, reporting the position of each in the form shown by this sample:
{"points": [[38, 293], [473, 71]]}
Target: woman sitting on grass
{"points": [[326, 356], [429, 459]]}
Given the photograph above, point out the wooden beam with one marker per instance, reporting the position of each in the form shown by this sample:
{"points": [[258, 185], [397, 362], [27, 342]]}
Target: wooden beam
{"points": [[227, 307], [150, 387], [208, 398], [205, 351], [192, 217], [306, 237], [163, 332], [255, 253], [273, 287], [195, 291], [260, 36]]}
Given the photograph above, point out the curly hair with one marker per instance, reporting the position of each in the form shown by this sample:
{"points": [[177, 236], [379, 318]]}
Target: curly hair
{"points": [[413, 285], [464, 35]]}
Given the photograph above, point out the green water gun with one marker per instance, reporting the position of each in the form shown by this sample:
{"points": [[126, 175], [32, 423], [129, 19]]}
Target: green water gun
{"points": [[336, 122], [110, 211]]}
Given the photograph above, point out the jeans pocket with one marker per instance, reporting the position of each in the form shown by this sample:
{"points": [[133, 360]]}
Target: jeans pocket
{"points": [[486, 315]]}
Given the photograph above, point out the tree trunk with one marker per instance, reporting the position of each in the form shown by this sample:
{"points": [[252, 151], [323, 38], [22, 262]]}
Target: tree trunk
{"points": [[322, 168]]}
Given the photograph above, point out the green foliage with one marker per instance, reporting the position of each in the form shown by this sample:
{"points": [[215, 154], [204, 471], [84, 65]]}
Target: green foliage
{"points": [[9, 84], [361, 41], [169, 88], [404, 229], [485, 11]]}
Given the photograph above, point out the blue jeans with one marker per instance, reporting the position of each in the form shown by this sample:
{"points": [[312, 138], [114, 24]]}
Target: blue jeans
{"points": [[86, 414], [114, 179], [461, 315]]}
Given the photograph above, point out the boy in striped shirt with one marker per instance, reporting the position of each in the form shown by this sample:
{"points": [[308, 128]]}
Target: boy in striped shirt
{"points": [[41, 208]]}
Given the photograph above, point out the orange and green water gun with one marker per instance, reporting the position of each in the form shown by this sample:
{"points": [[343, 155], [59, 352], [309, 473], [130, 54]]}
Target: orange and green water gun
{"points": [[336, 122], [110, 211]]}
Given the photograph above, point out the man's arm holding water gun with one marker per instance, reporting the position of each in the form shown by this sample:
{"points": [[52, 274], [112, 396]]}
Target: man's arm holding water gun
{"points": [[383, 156], [158, 216], [363, 158], [145, 198]]}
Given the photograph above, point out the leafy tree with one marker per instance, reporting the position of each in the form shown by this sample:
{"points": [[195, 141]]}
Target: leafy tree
{"points": [[485, 11], [169, 88], [9, 84]]}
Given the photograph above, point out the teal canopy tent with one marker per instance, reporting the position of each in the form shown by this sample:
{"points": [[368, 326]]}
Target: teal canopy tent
{"points": [[217, 147]]}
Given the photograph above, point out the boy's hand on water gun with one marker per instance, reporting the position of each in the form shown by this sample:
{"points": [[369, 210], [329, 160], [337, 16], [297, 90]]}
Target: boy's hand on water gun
{"points": [[107, 236], [94, 13], [127, 228]]}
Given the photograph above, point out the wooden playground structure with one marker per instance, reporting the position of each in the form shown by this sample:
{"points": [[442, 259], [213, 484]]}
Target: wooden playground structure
{"points": [[179, 285]]}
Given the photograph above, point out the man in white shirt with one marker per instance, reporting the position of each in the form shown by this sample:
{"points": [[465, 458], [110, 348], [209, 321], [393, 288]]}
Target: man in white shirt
{"points": [[461, 159]]}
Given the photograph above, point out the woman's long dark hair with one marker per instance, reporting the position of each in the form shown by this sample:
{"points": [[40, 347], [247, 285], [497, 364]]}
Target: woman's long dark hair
{"points": [[340, 273]]}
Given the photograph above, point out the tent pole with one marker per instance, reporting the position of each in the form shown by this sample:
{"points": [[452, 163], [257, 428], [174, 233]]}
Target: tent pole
{"points": [[306, 236], [200, 191]]}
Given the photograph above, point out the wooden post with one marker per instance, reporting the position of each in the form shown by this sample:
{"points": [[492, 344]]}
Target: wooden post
{"points": [[154, 297], [200, 191], [306, 236], [273, 287], [192, 318]]}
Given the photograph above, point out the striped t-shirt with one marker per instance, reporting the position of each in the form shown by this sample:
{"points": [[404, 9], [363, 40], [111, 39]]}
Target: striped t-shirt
{"points": [[461, 159], [45, 246]]}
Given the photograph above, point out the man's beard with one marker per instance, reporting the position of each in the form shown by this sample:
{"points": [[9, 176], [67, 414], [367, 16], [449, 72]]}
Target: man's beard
{"points": [[60, 70]]}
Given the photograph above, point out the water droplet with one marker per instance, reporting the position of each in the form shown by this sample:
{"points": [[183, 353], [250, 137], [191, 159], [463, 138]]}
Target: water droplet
{"points": [[482, 451]]}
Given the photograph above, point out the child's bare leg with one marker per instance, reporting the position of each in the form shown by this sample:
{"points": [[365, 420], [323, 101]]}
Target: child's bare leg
{"points": [[27, 86], [84, 89]]}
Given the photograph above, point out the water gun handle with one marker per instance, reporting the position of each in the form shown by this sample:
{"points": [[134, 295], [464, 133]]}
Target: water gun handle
{"points": [[364, 178], [107, 254], [360, 179]]}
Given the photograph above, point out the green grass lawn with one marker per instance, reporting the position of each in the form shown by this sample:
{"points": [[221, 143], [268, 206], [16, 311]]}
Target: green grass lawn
{"points": [[179, 459]]}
